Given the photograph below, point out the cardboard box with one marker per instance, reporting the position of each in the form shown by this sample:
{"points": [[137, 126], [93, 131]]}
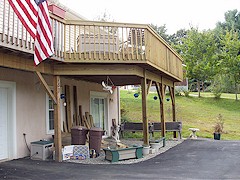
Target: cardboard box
{"points": [[67, 152]]}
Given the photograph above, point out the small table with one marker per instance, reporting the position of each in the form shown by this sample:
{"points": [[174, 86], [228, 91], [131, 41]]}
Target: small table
{"points": [[193, 134]]}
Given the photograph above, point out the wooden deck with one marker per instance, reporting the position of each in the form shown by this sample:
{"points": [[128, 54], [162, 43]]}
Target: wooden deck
{"points": [[82, 42]]}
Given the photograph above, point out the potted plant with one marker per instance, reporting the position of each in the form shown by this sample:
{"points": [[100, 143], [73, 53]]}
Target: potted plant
{"points": [[145, 149], [218, 127]]}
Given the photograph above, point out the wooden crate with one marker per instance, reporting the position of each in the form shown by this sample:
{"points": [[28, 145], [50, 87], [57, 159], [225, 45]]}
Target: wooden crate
{"points": [[114, 155]]}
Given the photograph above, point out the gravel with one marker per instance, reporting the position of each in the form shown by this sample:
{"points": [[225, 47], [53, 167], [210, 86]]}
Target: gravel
{"points": [[101, 158]]}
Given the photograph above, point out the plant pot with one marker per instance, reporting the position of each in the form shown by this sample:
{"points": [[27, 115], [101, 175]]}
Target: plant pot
{"points": [[217, 136], [145, 150], [155, 146]]}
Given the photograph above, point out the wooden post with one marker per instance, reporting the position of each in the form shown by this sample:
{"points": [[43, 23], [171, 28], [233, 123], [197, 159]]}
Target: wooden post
{"points": [[57, 121], [45, 85], [80, 116], [161, 94], [75, 108], [144, 110], [149, 86], [68, 108], [162, 91], [171, 90]]}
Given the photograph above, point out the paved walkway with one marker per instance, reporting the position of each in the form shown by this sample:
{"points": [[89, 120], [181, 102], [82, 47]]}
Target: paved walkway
{"points": [[192, 159]]}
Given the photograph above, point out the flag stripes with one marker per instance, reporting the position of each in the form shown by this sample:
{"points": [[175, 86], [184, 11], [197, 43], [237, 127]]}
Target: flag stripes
{"points": [[44, 40], [35, 18]]}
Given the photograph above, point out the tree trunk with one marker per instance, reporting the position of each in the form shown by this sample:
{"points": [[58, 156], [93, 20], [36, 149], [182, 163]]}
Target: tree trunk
{"points": [[203, 89], [198, 85], [236, 91]]}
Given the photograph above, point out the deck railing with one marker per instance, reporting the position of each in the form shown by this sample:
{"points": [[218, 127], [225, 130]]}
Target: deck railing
{"points": [[12, 32], [94, 42]]}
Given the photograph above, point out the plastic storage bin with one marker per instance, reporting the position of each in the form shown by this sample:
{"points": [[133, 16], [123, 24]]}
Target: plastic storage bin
{"points": [[79, 135], [95, 139]]}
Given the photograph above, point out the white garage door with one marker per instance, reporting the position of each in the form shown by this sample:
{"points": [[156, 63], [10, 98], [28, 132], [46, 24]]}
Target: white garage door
{"points": [[3, 123]]}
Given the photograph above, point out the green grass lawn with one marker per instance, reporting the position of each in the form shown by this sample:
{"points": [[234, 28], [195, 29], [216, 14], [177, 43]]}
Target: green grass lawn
{"points": [[192, 111]]}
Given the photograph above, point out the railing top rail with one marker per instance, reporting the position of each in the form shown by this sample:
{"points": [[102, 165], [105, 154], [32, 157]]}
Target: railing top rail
{"points": [[102, 23]]}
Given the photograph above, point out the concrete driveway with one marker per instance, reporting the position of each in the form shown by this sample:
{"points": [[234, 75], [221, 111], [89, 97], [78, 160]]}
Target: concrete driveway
{"points": [[192, 159]]}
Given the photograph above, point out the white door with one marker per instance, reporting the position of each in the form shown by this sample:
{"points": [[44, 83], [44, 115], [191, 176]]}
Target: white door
{"points": [[3, 123]]}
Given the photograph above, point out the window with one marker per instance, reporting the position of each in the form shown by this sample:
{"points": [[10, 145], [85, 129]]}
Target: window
{"points": [[50, 114]]}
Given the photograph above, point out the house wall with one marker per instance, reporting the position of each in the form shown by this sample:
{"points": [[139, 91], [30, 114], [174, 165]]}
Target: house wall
{"points": [[31, 104]]}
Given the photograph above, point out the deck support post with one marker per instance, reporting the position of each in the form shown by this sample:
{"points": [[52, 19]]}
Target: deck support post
{"points": [[144, 109], [161, 95], [162, 91], [57, 121], [171, 90]]}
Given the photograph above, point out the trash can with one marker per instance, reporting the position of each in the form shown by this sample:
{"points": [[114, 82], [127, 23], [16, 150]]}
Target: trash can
{"points": [[95, 139], [79, 135]]}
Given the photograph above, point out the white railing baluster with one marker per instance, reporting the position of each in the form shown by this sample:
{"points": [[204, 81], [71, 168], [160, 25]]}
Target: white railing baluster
{"points": [[4, 12]]}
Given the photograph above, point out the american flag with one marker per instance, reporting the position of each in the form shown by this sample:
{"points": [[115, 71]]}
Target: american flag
{"points": [[35, 18]]}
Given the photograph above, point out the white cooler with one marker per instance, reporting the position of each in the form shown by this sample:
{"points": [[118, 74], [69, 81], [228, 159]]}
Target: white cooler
{"points": [[41, 150]]}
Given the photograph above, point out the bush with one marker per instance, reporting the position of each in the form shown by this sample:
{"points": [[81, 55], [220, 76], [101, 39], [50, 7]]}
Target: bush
{"points": [[181, 92], [186, 93], [218, 127], [216, 87]]}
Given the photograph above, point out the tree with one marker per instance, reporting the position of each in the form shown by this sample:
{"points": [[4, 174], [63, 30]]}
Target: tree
{"points": [[177, 37], [230, 56], [162, 31], [232, 21], [198, 51]]}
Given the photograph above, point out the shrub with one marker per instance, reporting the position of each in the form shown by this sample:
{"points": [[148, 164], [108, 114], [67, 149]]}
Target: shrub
{"points": [[181, 92], [216, 90], [218, 127], [186, 93]]}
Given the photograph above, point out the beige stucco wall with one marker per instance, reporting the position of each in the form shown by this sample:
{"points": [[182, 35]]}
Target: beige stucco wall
{"points": [[31, 104]]}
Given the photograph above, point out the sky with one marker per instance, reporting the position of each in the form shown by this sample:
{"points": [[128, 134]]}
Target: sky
{"points": [[175, 14]]}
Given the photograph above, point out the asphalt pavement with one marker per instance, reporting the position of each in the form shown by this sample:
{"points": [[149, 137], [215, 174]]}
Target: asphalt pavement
{"points": [[192, 159]]}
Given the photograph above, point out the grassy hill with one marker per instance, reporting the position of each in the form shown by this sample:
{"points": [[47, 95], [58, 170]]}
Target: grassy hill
{"points": [[192, 111]]}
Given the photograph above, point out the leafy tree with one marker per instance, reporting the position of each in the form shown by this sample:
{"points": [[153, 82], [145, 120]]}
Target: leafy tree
{"points": [[177, 37], [232, 21], [162, 31], [198, 51], [230, 56]]}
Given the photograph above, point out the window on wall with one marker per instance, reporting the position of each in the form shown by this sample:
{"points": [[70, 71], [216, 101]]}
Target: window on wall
{"points": [[50, 114]]}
